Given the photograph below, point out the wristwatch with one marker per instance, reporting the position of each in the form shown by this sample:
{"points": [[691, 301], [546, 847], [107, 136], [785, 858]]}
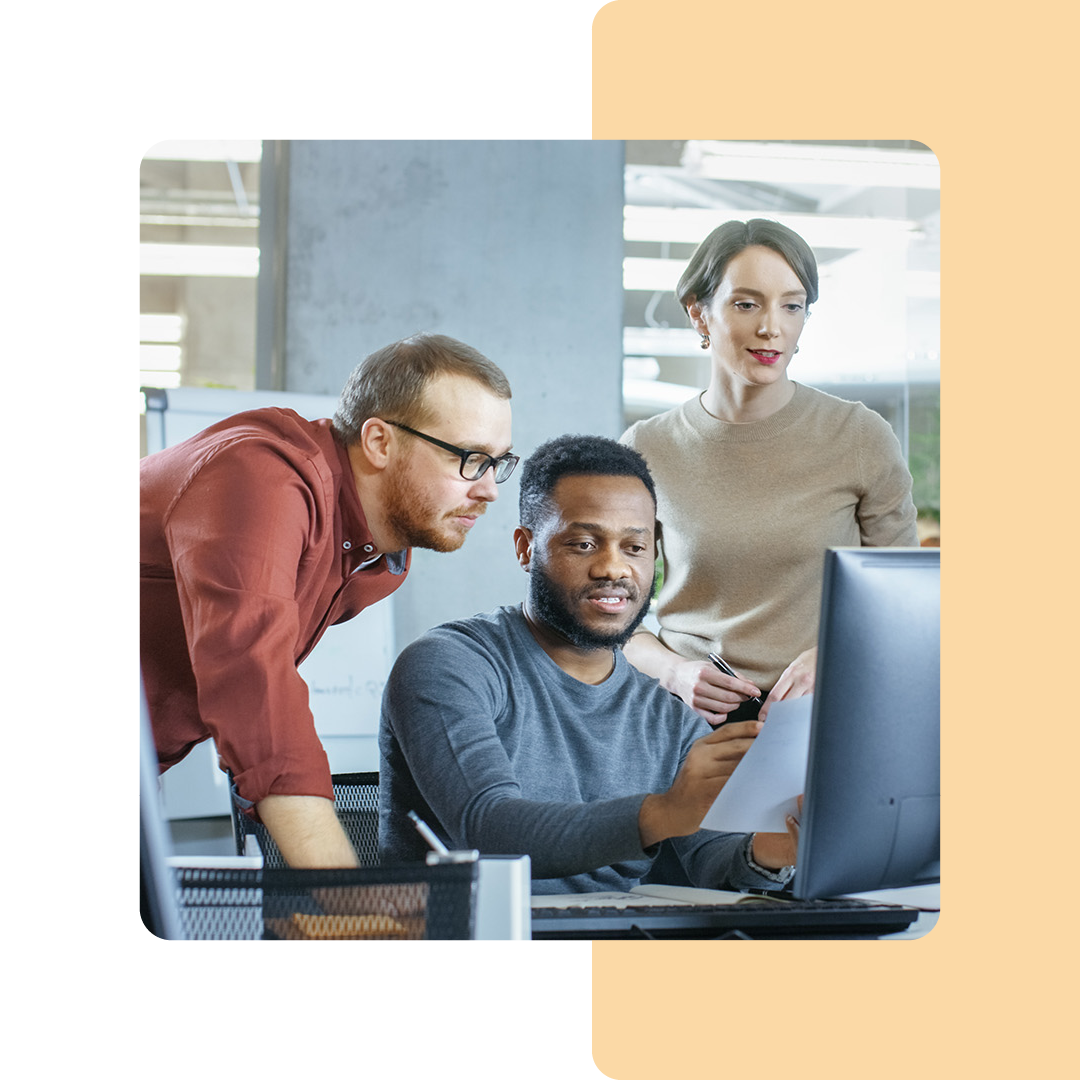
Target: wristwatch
{"points": [[781, 876]]}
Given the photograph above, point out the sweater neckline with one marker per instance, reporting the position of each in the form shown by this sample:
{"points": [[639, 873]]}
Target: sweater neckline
{"points": [[703, 421], [528, 642]]}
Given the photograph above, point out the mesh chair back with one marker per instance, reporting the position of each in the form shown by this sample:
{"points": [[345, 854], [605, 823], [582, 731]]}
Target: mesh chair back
{"points": [[356, 800], [399, 903]]}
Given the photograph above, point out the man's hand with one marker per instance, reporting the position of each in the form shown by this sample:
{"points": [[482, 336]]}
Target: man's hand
{"points": [[707, 690], [307, 831], [796, 681], [711, 760], [776, 850]]}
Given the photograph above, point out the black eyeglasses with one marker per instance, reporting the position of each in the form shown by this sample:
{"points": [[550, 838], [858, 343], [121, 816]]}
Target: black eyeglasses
{"points": [[474, 463]]}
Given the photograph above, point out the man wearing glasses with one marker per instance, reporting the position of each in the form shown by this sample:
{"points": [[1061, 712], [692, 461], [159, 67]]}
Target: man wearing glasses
{"points": [[266, 528]]}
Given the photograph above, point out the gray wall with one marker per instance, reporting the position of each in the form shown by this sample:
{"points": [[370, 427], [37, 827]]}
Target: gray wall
{"points": [[513, 247]]}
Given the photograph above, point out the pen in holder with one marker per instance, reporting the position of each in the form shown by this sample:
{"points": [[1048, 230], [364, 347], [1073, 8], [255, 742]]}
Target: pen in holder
{"points": [[440, 854]]}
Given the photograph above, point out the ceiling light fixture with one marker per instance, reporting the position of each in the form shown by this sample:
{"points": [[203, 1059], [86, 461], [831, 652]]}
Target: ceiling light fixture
{"points": [[246, 150], [802, 163], [198, 260], [691, 226]]}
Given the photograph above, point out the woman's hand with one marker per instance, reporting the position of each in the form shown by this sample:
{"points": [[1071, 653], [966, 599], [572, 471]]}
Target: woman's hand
{"points": [[796, 681], [707, 690]]}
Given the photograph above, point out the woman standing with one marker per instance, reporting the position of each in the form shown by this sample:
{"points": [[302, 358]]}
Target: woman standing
{"points": [[756, 477]]}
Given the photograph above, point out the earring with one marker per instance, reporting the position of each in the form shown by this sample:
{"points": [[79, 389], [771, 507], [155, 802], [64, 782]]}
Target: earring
{"points": [[704, 341], [796, 348]]}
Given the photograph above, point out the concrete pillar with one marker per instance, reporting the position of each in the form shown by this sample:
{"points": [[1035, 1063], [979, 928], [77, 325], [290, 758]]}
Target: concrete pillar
{"points": [[513, 247], [221, 331]]}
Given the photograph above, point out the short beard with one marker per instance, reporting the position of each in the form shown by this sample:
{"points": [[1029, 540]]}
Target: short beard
{"points": [[549, 604], [416, 522]]}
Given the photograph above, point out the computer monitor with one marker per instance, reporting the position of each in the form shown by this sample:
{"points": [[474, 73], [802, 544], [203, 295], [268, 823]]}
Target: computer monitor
{"points": [[871, 816], [157, 892]]}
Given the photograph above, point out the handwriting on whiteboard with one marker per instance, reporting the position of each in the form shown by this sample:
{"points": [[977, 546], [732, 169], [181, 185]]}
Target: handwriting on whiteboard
{"points": [[350, 688]]}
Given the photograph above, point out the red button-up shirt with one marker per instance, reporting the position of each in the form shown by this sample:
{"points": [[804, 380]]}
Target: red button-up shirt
{"points": [[252, 539]]}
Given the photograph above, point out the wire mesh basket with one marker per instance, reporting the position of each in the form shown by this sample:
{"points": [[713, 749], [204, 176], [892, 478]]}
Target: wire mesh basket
{"points": [[409, 902]]}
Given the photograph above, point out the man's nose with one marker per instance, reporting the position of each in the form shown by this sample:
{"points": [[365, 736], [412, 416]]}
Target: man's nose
{"points": [[610, 564], [484, 488]]}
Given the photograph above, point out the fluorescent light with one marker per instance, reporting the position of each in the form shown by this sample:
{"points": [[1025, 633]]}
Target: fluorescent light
{"points": [[198, 260], [215, 221], [789, 163], [652, 275], [640, 367], [691, 226], [206, 150], [160, 357], [641, 394], [662, 275], [161, 328], [660, 341], [167, 380]]}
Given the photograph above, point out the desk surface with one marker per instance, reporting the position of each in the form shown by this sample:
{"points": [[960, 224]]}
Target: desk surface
{"points": [[927, 898]]}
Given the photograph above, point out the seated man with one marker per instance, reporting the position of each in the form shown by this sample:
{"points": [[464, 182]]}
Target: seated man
{"points": [[526, 731]]}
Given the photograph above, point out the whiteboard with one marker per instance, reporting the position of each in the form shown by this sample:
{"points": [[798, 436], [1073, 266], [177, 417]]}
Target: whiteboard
{"points": [[346, 671]]}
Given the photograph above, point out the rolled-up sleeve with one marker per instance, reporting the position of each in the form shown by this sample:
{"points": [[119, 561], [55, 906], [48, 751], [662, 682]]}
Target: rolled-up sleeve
{"points": [[238, 534]]}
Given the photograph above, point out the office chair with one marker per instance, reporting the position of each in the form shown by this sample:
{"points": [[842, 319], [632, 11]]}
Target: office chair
{"points": [[356, 800]]}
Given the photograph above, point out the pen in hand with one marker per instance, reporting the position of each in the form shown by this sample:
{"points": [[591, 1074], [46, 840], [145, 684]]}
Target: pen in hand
{"points": [[725, 667]]}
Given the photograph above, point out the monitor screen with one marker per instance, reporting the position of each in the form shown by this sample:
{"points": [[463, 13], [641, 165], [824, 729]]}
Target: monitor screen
{"points": [[871, 817], [157, 892]]}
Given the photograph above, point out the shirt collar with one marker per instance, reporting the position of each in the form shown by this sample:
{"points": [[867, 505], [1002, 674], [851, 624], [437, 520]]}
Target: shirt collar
{"points": [[357, 540]]}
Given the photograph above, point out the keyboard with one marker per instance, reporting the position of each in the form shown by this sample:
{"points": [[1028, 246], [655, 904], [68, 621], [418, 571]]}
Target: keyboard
{"points": [[757, 918]]}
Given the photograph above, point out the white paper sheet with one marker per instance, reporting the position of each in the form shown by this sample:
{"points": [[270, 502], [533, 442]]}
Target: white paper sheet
{"points": [[641, 896], [596, 899], [763, 788]]}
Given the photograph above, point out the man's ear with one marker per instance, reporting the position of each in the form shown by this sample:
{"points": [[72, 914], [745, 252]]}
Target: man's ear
{"points": [[523, 541], [376, 439]]}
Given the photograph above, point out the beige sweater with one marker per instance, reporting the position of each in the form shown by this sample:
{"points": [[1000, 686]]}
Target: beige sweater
{"points": [[747, 511]]}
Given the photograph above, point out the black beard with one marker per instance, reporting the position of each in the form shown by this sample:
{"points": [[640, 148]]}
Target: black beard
{"points": [[549, 605]]}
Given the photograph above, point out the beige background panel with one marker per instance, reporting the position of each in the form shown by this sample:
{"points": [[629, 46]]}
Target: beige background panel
{"points": [[989, 93]]}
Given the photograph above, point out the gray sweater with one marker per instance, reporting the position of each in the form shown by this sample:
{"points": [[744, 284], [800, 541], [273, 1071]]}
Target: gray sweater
{"points": [[498, 749]]}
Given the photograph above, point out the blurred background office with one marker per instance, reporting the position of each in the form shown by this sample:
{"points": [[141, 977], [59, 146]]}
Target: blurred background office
{"points": [[279, 265]]}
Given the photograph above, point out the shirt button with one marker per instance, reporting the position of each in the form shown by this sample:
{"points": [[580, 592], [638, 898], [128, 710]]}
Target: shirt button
{"points": [[347, 546], [369, 548]]}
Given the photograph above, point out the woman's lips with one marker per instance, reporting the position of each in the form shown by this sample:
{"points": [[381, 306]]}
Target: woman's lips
{"points": [[767, 356]]}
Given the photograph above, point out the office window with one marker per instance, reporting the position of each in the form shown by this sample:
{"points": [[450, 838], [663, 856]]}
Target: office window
{"points": [[199, 254], [160, 350]]}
